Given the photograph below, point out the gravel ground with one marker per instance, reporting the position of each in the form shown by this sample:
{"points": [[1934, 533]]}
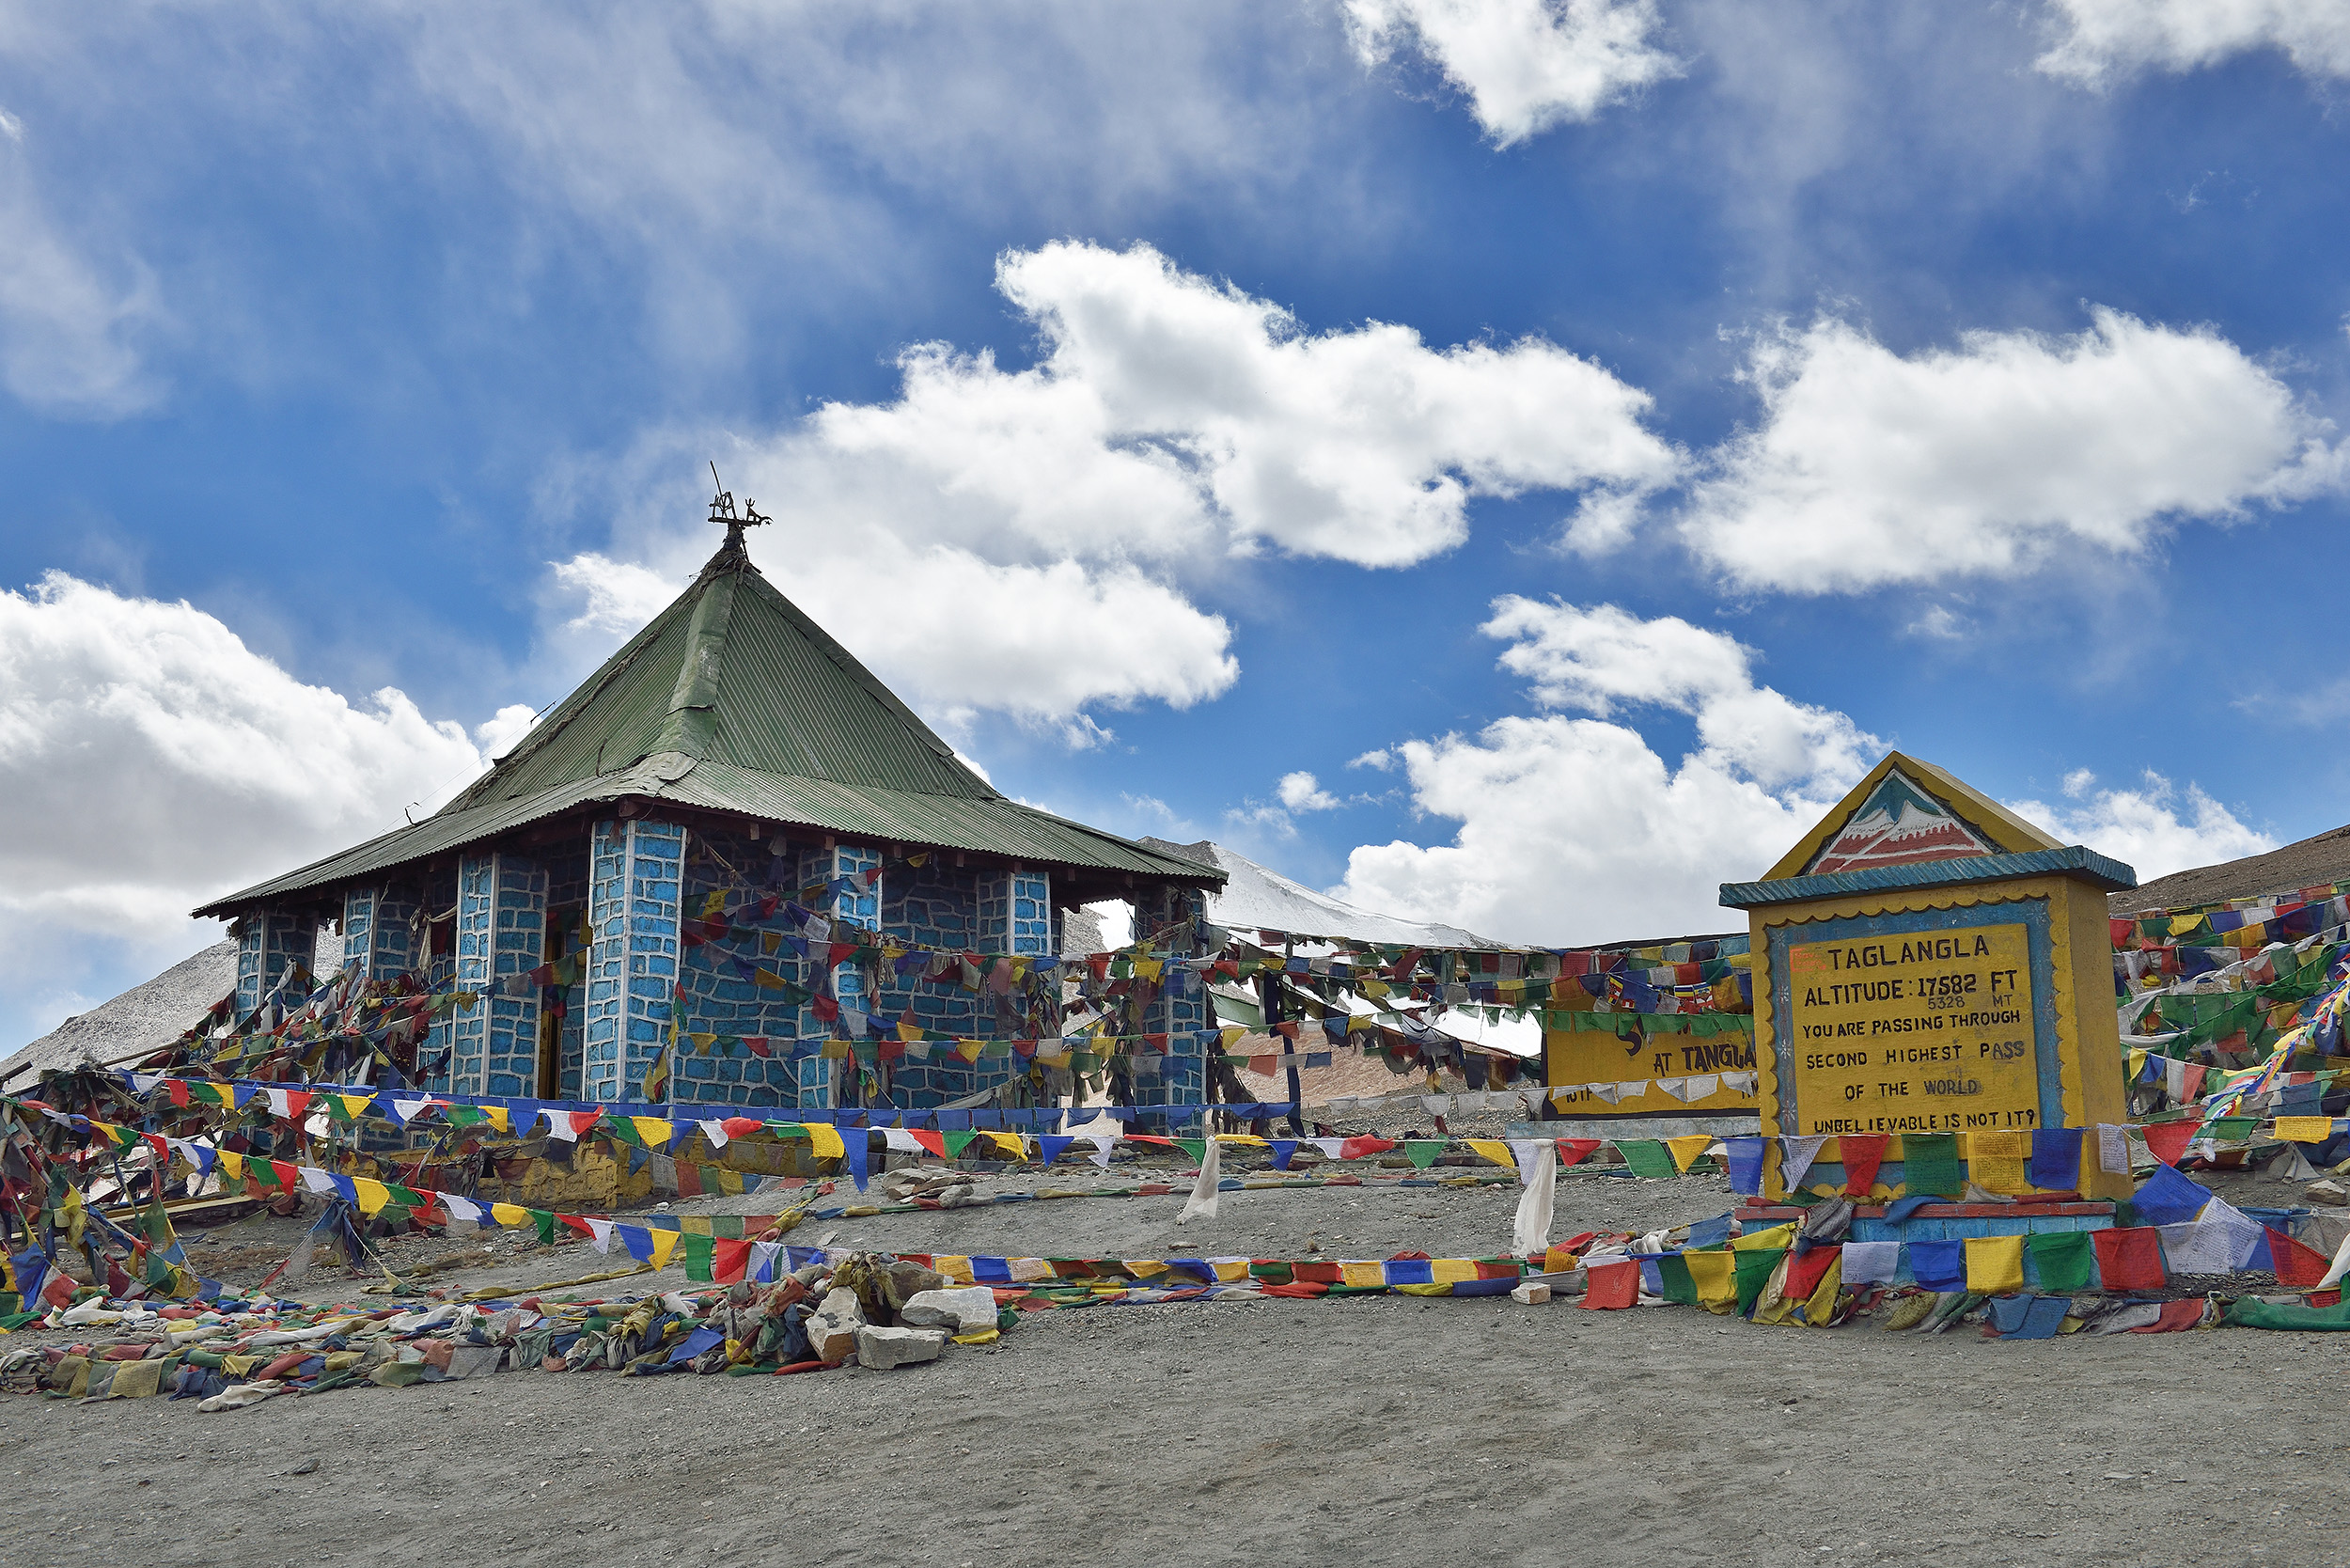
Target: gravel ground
{"points": [[1373, 1429]]}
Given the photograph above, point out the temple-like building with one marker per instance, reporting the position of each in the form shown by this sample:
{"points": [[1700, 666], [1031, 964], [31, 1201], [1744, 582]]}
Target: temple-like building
{"points": [[652, 844]]}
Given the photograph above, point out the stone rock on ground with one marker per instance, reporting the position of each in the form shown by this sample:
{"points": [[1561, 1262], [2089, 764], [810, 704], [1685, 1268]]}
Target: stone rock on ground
{"points": [[832, 1328], [884, 1348], [963, 1311]]}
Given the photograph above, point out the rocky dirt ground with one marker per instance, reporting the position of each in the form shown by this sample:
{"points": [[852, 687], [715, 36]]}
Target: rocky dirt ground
{"points": [[1373, 1429]]}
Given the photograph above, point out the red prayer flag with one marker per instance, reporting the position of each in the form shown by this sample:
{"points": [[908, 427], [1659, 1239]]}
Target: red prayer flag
{"points": [[934, 1142], [736, 1126], [1262, 1066], [1862, 1153], [1608, 1286], [177, 1089], [1804, 1274], [2129, 1260], [2296, 1265], [1574, 1150], [727, 1260], [2168, 1140], [2176, 1315], [1356, 1148]]}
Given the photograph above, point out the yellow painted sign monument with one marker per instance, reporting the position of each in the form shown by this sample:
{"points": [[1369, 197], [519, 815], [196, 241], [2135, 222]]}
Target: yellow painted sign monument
{"points": [[1927, 964]]}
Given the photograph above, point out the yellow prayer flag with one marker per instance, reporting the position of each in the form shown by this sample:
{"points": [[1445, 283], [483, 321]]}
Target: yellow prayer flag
{"points": [[655, 1130], [714, 903], [1996, 1161], [1994, 1264], [1715, 1276], [510, 1214], [232, 1163], [1232, 1033], [1493, 1148], [1242, 1141], [969, 1049], [2305, 1129], [1229, 1271], [1012, 1144], [1149, 968], [663, 1243], [1451, 1271], [827, 1140], [1687, 1149], [353, 1105], [499, 1118], [1821, 1308], [1777, 1235], [2137, 1065], [955, 1268], [1362, 1274], [373, 1195]]}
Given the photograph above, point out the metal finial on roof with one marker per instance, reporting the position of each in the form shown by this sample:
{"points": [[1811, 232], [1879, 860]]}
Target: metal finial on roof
{"points": [[722, 511]]}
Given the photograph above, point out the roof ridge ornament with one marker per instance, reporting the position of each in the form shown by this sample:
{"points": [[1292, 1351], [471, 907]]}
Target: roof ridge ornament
{"points": [[733, 552]]}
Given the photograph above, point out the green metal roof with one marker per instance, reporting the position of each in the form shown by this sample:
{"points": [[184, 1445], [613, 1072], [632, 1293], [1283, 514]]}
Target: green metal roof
{"points": [[733, 700]]}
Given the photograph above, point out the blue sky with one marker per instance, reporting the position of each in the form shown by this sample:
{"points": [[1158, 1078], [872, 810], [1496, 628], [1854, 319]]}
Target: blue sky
{"points": [[1580, 437]]}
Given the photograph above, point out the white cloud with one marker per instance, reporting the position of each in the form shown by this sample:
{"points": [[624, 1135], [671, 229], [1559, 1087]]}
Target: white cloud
{"points": [[1019, 540], [1382, 760], [165, 764], [1597, 658], [1301, 791], [497, 734], [613, 597], [1527, 65], [1870, 469], [68, 333], [2106, 39], [1577, 829], [2143, 827]]}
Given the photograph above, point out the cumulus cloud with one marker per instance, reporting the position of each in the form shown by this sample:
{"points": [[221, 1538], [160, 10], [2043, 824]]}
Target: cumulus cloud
{"points": [[68, 332], [2149, 827], [1868, 468], [1301, 792], [1526, 65], [1028, 541], [2101, 40], [153, 761], [1577, 829]]}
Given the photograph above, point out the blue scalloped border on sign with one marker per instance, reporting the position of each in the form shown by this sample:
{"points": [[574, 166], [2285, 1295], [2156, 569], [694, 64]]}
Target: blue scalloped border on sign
{"points": [[2033, 914]]}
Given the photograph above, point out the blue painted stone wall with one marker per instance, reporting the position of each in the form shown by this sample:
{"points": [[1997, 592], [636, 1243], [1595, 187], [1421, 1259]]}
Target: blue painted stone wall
{"points": [[378, 931], [820, 1080], [635, 887], [501, 931], [1179, 1009], [721, 1000], [440, 897], [266, 944]]}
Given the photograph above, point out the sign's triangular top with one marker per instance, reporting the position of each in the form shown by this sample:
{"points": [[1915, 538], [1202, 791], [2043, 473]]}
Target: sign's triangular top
{"points": [[1908, 812]]}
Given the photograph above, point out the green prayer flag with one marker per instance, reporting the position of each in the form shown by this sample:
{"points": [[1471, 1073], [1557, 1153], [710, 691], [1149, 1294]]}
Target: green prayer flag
{"points": [[1648, 1158], [544, 1220], [1196, 1147], [2064, 1261], [1422, 1153], [1678, 1286], [697, 1250], [466, 1116], [1930, 1164], [1754, 1267], [956, 1143]]}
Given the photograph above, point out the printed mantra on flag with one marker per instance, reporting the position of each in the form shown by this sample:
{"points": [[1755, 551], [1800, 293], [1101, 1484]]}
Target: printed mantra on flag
{"points": [[1923, 1032]]}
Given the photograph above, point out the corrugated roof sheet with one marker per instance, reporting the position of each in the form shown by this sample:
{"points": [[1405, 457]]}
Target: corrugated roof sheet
{"points": [[733, 700]]}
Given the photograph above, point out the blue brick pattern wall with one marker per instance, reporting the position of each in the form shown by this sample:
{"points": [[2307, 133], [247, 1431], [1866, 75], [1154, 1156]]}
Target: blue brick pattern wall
{"points": [[469, 1028], [378, 931], [267, 942], [720, 1000], [518, 946], [635, 885], [1180, 1010], [860, 906]]}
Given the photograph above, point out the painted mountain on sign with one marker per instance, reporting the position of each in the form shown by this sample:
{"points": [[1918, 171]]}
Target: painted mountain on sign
{"points": [[1899, 825]]}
